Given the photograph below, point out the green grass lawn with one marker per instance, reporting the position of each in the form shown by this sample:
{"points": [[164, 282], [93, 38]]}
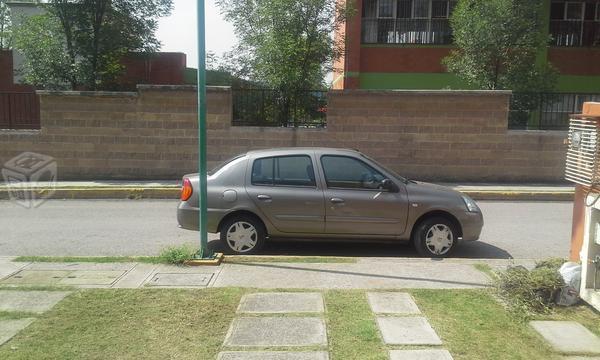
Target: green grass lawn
{"points": [[191, 324]]}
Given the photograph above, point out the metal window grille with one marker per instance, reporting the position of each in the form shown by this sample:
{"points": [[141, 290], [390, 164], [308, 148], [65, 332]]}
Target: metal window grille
{"points": [[584, 151], [413, 22]]}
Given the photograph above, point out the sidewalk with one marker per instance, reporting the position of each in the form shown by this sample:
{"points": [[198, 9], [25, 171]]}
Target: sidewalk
{"points": [[170, 190], [366, 273]]}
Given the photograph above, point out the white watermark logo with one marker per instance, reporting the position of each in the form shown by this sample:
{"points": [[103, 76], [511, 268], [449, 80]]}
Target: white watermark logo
{"points": [[30, 178]]}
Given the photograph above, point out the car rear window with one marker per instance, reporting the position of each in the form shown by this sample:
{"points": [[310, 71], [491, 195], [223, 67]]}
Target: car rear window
{"points": [[295, 170], [224, 163]]}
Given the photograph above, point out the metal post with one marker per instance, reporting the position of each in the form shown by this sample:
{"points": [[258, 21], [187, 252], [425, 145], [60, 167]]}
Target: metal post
{"points": [[205, 252]]}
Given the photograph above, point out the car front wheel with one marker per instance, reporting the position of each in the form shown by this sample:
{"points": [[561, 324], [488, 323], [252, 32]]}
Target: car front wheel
{"points": [[435, 237], [243, 235]]}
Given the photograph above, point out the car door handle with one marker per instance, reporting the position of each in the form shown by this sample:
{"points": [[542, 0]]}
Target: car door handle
{"points": [[264, 197], [336, 200]]}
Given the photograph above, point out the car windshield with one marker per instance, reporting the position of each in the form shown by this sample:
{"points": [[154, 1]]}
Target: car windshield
{"points": [[401, 178], [224, 163]]}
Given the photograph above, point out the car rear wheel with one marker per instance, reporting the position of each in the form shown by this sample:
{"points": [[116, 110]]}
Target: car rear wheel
{"points": [[243, 235], [435, 237]]}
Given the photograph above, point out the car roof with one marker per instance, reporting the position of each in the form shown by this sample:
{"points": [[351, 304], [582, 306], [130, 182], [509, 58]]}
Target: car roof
{"points": [[300, 150]]}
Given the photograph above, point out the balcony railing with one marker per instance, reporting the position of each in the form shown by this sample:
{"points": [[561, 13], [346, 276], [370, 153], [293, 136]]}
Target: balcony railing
{"points": [[575, 33], [406, 31]]}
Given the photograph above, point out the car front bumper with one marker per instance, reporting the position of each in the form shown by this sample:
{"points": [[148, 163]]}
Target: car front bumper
{"points": [[472, 224]]}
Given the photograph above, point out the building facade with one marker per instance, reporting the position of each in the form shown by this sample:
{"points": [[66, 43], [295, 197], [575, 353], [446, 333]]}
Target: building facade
{"points": [[400, 44]]}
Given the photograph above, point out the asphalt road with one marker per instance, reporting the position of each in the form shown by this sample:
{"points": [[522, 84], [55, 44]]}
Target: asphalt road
{"points": [[523, 230]]}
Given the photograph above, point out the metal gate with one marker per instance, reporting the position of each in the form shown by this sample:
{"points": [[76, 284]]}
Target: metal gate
{"points": [[19, 110]]}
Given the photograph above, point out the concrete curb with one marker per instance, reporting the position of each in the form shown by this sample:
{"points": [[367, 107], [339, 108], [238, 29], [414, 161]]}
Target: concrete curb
{"points": [[172, 192], [520, 195]]}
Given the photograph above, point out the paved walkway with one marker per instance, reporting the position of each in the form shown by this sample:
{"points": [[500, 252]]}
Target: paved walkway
{"points": [[17, 301], [367, 273], [398, 318], [568, 337]]}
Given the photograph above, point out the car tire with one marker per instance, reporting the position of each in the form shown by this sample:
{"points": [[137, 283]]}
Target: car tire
{"points": [[243, 235], [435, 237]]}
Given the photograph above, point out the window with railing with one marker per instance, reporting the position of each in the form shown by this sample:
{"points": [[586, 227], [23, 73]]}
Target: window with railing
{"points": [[407, 21], [575, 23]]}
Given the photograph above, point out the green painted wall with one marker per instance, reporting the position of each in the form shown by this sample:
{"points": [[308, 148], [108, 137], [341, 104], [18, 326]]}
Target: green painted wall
{"points": [[578, 84], [429, 81], [421, 81]]}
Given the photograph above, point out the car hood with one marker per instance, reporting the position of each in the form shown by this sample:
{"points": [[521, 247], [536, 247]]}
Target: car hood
{"points": [[418, 190]]}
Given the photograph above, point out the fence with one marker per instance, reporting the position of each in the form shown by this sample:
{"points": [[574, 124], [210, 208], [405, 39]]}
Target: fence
{"points": [[265, 107], [545, 111], [19, 110]]}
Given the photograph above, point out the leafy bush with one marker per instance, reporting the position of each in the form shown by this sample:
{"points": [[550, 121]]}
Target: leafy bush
{"points": [[533, 291], [177, 254]]}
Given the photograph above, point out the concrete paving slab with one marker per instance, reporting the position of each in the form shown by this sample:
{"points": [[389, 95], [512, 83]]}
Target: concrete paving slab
{"points": [[36, 277], [407, 331], [392, 303], [63, 277], [423, 274], [136, 277], [276, 331], [282, 303], [181, 279], [30, 301], [81, 266], [8, 267], [91, 277], [568, 336], [10, 328], [420, 354], [273, 355]]}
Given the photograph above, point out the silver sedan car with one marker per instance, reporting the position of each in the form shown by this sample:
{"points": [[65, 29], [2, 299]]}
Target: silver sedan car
{"points": [[322, 193]]}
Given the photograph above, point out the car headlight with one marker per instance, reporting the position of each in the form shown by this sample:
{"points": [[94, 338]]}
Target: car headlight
{"points": [[470, 204]]}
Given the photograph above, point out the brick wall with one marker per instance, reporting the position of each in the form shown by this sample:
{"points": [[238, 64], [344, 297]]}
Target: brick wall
{"points": [[152, 134]]}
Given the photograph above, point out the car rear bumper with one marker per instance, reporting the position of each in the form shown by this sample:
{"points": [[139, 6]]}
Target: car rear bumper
{"points": [[472, 224], [188, 218]]}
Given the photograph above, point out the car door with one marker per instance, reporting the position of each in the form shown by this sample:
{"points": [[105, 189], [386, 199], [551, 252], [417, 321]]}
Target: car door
{"points": [[355, 202], [285, 190]]}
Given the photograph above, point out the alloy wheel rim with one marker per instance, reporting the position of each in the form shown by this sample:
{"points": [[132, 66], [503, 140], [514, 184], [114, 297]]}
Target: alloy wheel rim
{"points": [[439, 239], [242, 236]]}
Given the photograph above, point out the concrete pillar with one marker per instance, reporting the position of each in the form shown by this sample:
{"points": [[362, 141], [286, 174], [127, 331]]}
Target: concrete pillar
{"points": [[581, 192]]}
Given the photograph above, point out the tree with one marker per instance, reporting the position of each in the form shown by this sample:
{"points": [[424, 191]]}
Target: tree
{"points": [[96, 34], [5, 26], [285, 44], [40, 40], [498, 43]]}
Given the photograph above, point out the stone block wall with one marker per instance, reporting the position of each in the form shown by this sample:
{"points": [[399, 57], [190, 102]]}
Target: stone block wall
{"points": [[457, 136]]}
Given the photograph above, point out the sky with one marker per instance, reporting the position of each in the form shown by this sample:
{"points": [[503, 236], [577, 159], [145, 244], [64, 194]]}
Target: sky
{"points": [[177, 32]]}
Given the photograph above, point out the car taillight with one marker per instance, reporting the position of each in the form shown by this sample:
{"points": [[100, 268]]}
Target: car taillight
{"points": [[186, 190]]}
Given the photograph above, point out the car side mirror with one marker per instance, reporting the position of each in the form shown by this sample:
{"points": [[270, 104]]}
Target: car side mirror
{"points": [[389, 185]]}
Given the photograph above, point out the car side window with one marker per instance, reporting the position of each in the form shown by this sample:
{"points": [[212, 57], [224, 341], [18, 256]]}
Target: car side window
{"points": [[350, 173], [262, 171], [295, 170]]}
